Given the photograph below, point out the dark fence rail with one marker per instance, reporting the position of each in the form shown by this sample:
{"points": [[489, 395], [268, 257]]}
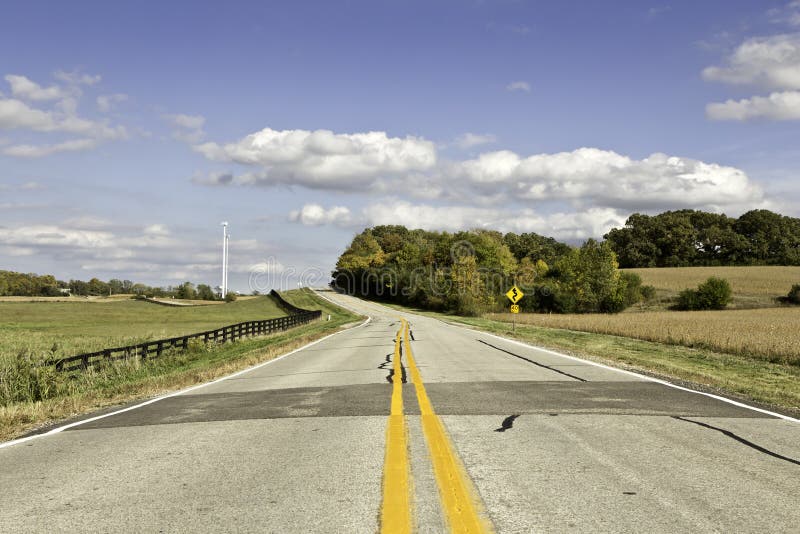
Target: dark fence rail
{"points": [[154, 349]]}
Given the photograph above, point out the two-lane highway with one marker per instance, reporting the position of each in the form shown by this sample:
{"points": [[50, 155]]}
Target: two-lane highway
{"points": [[409, 423]]}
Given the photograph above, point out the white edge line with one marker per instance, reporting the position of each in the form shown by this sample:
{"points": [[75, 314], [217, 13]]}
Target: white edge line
{"points": [[645, 377], [175, 393]]}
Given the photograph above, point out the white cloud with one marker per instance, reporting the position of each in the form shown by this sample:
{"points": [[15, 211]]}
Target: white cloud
{"points": [[519, 86], [315, 215], [60, 117], [772, 62], [105, 103], [156, 229], [38, 151], [571, 226], [322, 159], [789, 14], [469, 140], [777, 106], [376, 164], [17, 114], [26, 89], [605, 178], [76, 78], [187, 128], [50, 235]]}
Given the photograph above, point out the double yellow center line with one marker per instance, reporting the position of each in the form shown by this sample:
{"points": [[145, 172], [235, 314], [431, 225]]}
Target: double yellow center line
{"points": [[460, 501]]}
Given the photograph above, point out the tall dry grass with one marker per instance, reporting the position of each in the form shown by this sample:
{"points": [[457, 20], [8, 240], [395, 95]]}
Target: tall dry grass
{"points": [[763, 281], [772, 334]]}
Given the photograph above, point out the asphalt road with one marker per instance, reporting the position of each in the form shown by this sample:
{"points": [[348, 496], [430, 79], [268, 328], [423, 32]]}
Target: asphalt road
{"points": [[463, 429]]}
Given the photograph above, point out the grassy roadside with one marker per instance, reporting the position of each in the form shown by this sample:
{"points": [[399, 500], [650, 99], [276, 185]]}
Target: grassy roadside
{"points": [[734, 375], [128, 382], [44, 330]]}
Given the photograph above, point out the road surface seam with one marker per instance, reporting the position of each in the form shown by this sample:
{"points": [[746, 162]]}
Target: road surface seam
{"points": [[462, 504], [179, 392], [624, 371]]}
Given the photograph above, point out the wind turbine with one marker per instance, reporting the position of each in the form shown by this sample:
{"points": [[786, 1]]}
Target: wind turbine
{"points": [[225, 237]]}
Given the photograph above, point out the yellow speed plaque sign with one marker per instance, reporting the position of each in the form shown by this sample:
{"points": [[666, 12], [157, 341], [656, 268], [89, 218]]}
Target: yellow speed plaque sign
{"points": [[515, 308], [515, 294]]}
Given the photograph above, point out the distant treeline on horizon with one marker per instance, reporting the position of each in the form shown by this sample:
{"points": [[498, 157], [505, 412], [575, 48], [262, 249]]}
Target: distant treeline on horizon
{"points": [[14, 284], [683, 238]]}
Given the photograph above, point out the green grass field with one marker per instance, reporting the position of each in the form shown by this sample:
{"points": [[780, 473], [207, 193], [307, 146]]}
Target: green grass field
{"points": [[31, 396], [45, 329]]}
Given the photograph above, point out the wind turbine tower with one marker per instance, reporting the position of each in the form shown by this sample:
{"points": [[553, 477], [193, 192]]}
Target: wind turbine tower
{"points": [[225, 238]]}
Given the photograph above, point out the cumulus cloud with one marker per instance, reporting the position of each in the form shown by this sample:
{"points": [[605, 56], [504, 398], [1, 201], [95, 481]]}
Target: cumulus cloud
{"points": [[409, 167], [605, 178], [26, 89], [469, 140], [187, 128], [772, 62], [777, 106], [570, 226], [322, 159], [106, 103], [519, 86], [315, 215]]}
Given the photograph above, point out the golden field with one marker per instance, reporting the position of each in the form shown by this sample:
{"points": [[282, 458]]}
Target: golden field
{"points": [[771, 334], [752, 286]]}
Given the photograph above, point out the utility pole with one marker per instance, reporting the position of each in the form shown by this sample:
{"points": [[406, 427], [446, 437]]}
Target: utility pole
{"points": [[225, 236]]}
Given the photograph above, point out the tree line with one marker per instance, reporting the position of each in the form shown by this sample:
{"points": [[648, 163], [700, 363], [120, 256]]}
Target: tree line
{"points": [[695, 238], [34, 285], [469, 272]]}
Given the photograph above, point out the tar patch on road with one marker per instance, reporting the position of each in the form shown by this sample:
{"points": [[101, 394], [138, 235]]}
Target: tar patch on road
{"points": [[507, 423], [387, 366], [563, 397], [341, 401]]}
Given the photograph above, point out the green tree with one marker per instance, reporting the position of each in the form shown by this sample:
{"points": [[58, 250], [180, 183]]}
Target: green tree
{"points": [[204, 292], [186, 291]]}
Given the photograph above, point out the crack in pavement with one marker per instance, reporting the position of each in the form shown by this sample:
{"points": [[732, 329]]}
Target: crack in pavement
{"points": [[532, 361], [740, 439]]}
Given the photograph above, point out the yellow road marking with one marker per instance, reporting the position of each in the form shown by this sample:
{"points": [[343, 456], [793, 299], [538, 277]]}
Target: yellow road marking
{"points": [[396, 507], [460, 499]]}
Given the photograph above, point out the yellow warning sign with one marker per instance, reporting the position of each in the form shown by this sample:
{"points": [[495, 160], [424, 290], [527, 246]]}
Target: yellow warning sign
{"points": [[515, 308], [515, 294]]}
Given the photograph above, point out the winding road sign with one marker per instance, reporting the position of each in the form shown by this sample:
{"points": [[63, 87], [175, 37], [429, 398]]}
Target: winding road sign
{"points": [[515, 294]]}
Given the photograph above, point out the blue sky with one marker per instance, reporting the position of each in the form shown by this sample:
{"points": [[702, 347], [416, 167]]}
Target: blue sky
{"points": [[129, 131]]}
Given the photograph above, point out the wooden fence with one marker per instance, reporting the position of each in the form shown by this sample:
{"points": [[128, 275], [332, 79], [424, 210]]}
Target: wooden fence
{"points": [[154, 349]]}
